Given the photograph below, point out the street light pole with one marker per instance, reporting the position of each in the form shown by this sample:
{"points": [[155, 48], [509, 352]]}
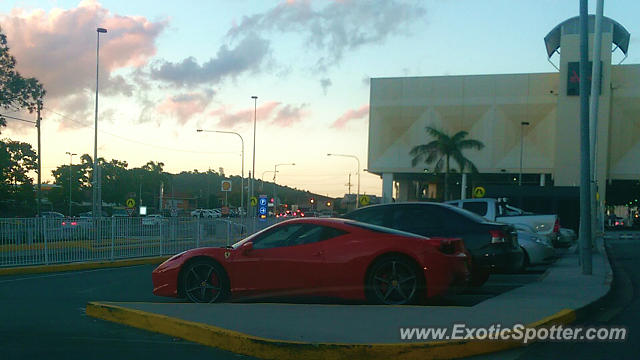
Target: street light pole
{"points": [[253, 168], [242, 167], [262, 179], [522, 125], [70, 164], [275, 171], [97, 196], [358, 160]]}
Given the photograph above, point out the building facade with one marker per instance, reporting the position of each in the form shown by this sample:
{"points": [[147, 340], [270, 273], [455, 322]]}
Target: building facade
{"points": [[533, 118]]}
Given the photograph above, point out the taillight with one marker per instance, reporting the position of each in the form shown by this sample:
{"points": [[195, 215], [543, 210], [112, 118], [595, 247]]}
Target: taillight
{"points": [[498, 236], [556, 226], [64, 223], [73, 223]]}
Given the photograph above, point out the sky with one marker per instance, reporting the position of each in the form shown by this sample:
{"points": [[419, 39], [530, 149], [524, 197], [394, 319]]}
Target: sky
{"points": [[168, 68]]}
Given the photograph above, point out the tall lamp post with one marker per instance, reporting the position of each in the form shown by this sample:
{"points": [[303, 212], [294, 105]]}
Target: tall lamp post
{"points": [[242, 170], [253, 168], [522, 125], [275, 171], [70, 164], [97, 196], [358, 172], [262, 179]]}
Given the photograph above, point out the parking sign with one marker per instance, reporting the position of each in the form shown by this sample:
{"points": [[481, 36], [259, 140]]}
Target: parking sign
{"points": [[262, 207]]}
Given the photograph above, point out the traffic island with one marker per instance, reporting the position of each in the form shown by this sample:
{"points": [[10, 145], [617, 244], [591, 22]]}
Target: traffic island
{"points": [[294, 331]]}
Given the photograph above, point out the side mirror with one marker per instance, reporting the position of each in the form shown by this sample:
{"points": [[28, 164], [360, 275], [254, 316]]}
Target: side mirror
{"points": [[247, 247]]}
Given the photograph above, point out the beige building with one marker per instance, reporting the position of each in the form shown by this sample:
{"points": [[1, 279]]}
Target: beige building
{"points": [[492, 109]]}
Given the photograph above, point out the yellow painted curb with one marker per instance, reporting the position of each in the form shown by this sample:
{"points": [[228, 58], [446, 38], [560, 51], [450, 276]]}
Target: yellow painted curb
{"points": [[245, 344], [81, 266]]}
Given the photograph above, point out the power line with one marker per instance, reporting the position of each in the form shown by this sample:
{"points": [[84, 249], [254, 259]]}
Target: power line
{"points": [[140, 142], [17, 118]]}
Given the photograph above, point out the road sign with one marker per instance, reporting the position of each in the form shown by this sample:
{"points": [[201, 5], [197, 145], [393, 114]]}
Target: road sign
{"points": [[254, 201], [131, 203], [130, 211], [225, 185], [479, 192], [262, 207], [364, 200], [225, 210]]}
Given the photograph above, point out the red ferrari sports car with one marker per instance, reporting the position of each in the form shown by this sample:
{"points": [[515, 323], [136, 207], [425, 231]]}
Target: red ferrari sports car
{"points": [[318, 257]]}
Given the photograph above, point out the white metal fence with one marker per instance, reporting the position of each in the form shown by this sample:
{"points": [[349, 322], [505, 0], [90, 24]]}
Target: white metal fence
{"points": [[43, 241]]}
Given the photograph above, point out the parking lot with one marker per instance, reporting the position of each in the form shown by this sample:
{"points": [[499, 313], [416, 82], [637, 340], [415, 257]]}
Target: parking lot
{"points": [[43, 315]]}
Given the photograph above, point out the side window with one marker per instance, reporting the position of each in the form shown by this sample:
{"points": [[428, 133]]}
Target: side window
{"points": [[295, 234], [314, 233], [374, 215], [421, 220], [478, 207], [277, 237]]}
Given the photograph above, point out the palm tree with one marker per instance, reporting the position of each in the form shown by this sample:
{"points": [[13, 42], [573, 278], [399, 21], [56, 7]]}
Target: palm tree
{"points": [[442, 149]]}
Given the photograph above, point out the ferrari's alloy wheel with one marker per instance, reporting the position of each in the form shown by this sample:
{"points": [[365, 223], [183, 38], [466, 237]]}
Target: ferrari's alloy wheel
{"points": [[203, 282], [393, 281]]}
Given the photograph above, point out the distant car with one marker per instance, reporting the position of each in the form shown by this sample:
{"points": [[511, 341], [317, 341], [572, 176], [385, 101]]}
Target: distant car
{"points": [[614, 222], [318, 257], [493, 246], [537, 248], [153, 219], [51, 215]]}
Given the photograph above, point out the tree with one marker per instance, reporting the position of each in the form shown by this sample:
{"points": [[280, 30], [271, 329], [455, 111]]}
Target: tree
{"points": [[16, 187], [441, 149], [16, 92]]}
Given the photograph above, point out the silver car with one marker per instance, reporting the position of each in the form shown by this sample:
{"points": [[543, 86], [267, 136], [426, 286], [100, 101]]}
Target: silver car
{"points": [[537, 249]]}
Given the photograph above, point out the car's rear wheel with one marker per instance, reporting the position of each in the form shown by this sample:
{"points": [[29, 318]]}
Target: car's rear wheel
{"points": [[204, 282], [393, 280]]}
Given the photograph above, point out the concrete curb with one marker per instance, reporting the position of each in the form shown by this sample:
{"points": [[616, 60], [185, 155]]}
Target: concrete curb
{"points": [[80, 266], [245, 344]]}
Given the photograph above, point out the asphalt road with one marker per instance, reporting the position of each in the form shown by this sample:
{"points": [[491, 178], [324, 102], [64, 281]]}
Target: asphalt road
{"points": [[621, 307], [42, 317]]}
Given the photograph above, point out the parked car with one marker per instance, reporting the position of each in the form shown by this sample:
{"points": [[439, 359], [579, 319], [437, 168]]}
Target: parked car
{"points": [[493, 246], [318, 257], [150, 220], [537, 249], [51, 215], [499, 210], [566, 237]]}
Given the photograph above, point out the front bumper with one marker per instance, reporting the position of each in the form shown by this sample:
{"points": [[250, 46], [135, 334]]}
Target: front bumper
{"points": [[165, 278]]}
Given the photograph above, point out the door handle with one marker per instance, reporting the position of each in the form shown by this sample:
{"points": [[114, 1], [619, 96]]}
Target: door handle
{"points": [[319, 253]]}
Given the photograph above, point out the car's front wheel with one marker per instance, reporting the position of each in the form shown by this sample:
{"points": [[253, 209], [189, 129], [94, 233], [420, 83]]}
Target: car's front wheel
{"points": [[204, 282], [393, 280]]}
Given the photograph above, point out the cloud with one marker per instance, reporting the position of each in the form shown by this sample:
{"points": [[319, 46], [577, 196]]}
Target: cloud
{"points": [[247, 55], [366, 80], [272, 113], [289, 115], [231, 119], [336, 28], [350, 115], [59, 47], [184, 106], [325, 83]]}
